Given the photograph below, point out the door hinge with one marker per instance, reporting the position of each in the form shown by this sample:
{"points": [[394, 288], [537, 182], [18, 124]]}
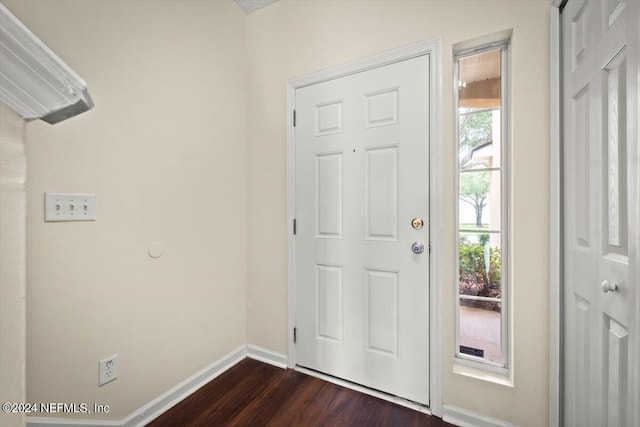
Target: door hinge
{"points": [[295, 228], [295, 337], [294, 118]]}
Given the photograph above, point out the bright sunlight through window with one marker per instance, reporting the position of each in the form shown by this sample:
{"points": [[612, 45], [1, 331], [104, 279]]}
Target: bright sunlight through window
{"points": [[482, 205]]}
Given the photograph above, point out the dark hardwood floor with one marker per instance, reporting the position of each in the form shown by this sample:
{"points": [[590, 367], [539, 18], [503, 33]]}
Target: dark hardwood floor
{"points": [[256, 394]]}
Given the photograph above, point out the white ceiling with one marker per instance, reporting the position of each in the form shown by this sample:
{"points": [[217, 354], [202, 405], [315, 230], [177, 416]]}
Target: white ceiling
{"points": [[250, 6]]}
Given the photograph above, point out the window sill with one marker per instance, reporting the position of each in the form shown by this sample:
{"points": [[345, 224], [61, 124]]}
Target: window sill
{"points": [[464, 368]]}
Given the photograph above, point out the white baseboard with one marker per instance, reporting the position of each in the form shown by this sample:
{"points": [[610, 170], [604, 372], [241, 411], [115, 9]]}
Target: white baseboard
{"points": [[170, 398], [463, 418], [267, 356], [157, 406]]}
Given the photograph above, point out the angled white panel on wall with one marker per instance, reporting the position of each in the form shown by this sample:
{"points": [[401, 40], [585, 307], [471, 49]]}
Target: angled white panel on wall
{"points": [[34, 81]]}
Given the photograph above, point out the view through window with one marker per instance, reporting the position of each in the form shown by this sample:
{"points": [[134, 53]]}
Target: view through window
{"points": [[481, 206]]}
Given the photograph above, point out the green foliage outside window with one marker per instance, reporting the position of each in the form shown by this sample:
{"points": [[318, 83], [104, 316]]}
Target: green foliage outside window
{"points": [[474, 279], [475, 129]]}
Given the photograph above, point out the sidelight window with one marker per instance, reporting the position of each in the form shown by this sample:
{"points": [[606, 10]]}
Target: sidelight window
{"points": [[482, 220]]}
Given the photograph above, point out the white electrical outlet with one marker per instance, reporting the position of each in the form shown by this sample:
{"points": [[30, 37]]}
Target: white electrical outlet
{"points": [[69, 207], [108, 370]]}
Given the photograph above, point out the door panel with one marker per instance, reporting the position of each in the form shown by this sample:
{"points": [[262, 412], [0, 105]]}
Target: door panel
{"points": [[600, 167], [329, 190], [381, 289], [362, 168], [381, 191], [616, 371], [329, 300]]}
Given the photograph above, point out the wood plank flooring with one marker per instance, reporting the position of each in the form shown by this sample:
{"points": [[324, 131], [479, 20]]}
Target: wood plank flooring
{"points": [[256, 394]]}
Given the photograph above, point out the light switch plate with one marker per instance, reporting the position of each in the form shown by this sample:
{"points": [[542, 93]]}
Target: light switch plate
{"points": [[69, 207]]}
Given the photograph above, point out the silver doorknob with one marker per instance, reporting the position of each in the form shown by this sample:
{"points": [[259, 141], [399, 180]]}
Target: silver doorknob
{"points": [[609, 287], [417, 248]]}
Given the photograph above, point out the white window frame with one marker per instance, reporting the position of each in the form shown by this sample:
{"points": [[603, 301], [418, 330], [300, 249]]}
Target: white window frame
{"points": [[505, 230]]}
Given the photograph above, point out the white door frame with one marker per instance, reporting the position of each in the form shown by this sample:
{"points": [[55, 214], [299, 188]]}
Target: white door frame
{"points": [[432, 48], [555, 215]]}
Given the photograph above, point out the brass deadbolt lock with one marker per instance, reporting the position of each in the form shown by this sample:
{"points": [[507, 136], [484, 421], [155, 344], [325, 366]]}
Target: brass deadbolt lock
{"points": [[417, 223]]}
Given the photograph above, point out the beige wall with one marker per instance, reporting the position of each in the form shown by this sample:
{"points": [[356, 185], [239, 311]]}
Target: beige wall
{"points": [[165, 152], [291, 38], [12, 263]]}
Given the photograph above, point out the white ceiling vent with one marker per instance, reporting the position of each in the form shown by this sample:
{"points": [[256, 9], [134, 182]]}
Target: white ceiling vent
{"points": [[33, 80]]}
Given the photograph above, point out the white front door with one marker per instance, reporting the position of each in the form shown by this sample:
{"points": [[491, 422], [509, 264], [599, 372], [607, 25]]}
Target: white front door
{"points": [[361, 177], [601, 230]]}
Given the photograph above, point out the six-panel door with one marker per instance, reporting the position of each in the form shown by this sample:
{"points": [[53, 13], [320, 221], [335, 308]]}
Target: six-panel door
{"points": [[361, 177]]}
